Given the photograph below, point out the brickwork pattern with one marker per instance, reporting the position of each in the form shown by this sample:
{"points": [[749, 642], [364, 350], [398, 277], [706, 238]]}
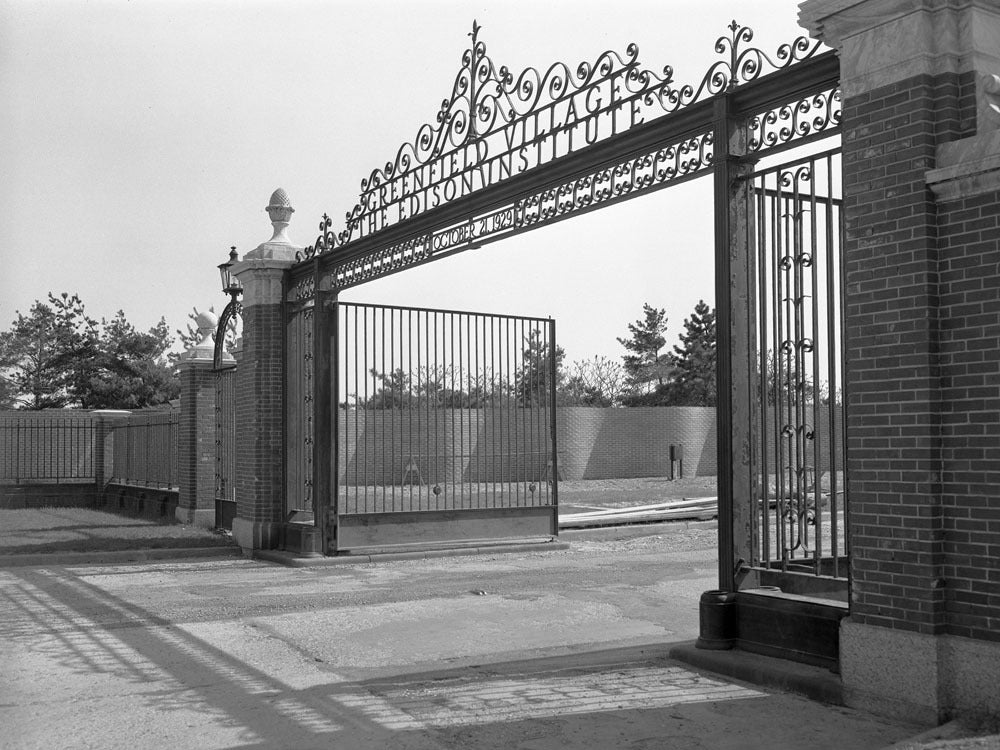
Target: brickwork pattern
{"points": [[892, 289], [260, 415], [506, 445], [196, 438], [969, 341]]}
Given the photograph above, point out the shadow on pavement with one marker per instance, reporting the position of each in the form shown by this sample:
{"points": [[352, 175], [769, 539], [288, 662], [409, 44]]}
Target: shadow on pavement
{"points": [[146, 681]]}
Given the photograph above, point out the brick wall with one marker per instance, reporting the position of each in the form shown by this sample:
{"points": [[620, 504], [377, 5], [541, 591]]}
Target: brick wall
{"points": [[893, 340], [619, 443], [969, 351], [196, 439], [259, 415], [507, 445]]}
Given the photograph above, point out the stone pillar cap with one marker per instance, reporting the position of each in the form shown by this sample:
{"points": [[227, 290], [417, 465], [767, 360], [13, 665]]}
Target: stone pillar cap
{"points": [[279, 247], [204, 348]]}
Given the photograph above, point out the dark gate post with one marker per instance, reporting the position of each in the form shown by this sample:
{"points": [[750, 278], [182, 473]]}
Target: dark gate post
{"points": [[324, 401], [260, 381], [734, 341]]}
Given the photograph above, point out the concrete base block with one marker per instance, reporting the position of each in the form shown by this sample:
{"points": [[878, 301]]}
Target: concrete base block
{"points": [[890, 672], [203, 518], [255, 535], [971, 676], [925, 679]]}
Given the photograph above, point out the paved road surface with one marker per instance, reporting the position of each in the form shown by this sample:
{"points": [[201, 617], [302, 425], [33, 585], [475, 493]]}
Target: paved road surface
{"points": [[541, 650]]}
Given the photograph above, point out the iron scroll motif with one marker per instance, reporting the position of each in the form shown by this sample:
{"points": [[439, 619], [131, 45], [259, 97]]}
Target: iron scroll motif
{"points": [[494, 125], [793, 121], [232, 311], [603, 187]]}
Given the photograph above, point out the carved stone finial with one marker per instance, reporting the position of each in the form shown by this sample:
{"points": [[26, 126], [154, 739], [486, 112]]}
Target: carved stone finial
{"points": [[204, 348], [280, 211]]}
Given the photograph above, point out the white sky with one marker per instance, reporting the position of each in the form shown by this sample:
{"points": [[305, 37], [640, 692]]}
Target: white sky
{"points": [[141, 139]]}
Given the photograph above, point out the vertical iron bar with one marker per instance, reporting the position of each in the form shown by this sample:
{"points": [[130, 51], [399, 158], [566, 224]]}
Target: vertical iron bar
{"points": [[383, 408], [452, 407], [762, 296], [491, 322], [438, 377], [797, 393], [553, 374], [394, 433], [841, 279], [322, 445], [831, 361], [724, 459], [366, 429], [480, 420], [778, 371], [333, 524], [816, 409]]}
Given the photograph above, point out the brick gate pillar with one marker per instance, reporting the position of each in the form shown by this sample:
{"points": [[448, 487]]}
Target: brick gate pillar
{"points": [[196, 445], [923, 323], [260, 386]]}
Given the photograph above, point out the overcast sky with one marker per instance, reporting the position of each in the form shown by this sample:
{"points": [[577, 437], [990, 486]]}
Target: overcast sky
{"points": [[141, 139]]}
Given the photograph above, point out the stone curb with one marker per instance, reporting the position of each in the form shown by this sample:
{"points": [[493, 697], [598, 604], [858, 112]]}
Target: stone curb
{"points": [[115, 556], [319, 561], [815, 683]]}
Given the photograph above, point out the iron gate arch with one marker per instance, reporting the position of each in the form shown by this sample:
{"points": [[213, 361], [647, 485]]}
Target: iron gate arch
{"points": [[507, 154]]}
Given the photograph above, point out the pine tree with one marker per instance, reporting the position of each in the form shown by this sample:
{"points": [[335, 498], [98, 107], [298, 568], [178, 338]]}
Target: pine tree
{"points": [[532, 381], [56, 356], [646, 368], [131, 370], [47, 355], [694, 360]]}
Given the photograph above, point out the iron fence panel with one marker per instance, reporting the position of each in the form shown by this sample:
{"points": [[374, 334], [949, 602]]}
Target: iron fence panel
{"points": [[800, 482], [441, 410], [39, 447], [145, 449]]}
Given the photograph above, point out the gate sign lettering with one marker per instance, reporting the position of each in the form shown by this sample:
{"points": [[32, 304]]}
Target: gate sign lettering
{"points": [[494, 127]]}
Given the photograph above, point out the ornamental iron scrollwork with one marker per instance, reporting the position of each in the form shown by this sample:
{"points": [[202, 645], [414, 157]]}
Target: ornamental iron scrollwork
{"points": [[495, 125], [647, 172], [795, 121], [227, 321]]}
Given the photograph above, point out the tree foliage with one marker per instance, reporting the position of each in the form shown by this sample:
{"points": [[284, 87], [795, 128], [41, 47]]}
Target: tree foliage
{"points": [[593, 382], [533, 380], [190, 337], [56, 356], [685, 376], [47, 354], [695, 360], [449, 387], [131, 370], [645, 367]]}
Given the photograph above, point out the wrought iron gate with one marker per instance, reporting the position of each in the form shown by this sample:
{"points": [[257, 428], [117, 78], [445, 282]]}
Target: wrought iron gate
{"points": [[799, 473], [445, 427], [506, 154], [224, 365], [225, 447]]}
